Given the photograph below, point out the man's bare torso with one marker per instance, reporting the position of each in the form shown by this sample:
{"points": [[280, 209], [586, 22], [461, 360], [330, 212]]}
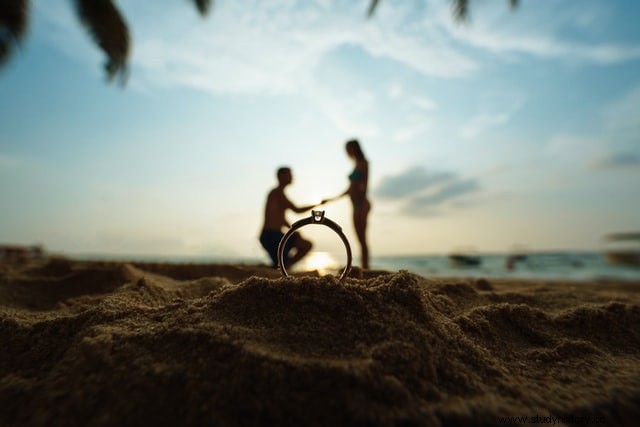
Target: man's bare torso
{"points": [[274, 215]]}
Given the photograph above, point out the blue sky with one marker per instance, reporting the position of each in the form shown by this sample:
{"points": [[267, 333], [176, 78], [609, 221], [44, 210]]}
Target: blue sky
{"points": [[516, 128]]}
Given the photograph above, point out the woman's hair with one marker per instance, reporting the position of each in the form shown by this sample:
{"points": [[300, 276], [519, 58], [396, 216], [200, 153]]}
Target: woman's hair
{"points": [[354, 146]]}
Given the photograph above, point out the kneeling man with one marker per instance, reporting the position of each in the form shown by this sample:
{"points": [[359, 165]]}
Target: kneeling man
{"points": [[274, 219]]}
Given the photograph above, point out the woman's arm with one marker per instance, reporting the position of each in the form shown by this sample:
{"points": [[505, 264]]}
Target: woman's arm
{"points": [[339, 196]]}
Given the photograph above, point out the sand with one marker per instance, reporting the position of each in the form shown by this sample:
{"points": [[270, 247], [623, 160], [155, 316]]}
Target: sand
{"points": [[111, 343]]}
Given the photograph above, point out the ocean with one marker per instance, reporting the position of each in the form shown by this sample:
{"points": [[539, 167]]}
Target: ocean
{"points": [[573, 266], [546, 265]]}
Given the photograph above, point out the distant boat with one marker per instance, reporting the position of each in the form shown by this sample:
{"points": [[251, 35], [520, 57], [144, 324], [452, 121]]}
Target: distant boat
{"points": [[623, 249], [464, 260], [513, 259]]}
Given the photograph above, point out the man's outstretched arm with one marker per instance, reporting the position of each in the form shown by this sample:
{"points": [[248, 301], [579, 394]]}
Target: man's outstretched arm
{"points": [[297, 209]]}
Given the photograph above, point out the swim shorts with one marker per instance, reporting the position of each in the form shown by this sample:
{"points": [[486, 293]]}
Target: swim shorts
{"points": [[270, 239]]}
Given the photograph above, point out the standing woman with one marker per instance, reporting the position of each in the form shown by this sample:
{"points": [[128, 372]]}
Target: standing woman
{"points": [[357, 191]]}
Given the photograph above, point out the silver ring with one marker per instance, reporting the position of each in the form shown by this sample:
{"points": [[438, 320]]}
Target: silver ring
{"points": [[317, 217]]}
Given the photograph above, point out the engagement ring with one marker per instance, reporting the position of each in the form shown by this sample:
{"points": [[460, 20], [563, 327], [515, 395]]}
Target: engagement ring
{"points": [[317, 217]]}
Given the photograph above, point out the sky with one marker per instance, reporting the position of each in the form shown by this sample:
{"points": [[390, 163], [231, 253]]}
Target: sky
{"points": [[517, 128]]}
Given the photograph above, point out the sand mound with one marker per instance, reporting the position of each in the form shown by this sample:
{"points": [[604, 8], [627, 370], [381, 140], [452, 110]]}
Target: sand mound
{"points": [[44, 287], [392, 350], [232, 272]]}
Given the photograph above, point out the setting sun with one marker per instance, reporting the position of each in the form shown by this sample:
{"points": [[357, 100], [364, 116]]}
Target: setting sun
{"points": [[322, 262]]}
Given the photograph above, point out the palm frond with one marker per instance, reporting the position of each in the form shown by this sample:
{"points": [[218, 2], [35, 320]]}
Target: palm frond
{"points": [[13, 26], [203, 6], [372, 8], [461, 9], [108, 29]]}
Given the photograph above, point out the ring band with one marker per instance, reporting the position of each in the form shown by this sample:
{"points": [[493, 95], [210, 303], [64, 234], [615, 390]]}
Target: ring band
{"points": [[317, 217]]}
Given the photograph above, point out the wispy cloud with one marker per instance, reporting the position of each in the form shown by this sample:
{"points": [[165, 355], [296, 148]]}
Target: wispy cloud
{"points": [[423, 192], [396, 91], [542, 31], [616, 161], [567, 152], [410, 132], [622, 114], [423, 103], [349, 114], [264, 47], [259, 47], [621, 123], [410, 182], [613, 145], [481, 123], [450, 191]]}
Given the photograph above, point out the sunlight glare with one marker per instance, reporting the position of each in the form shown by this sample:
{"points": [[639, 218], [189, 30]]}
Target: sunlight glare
{"points": [[323, 262]]}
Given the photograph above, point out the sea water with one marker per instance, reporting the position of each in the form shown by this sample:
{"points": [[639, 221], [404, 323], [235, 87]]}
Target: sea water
{"points": [[542, 265], [547, 265]]}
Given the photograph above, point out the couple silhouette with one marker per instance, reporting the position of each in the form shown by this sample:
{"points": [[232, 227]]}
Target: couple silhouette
{"points": [[278, 204]]}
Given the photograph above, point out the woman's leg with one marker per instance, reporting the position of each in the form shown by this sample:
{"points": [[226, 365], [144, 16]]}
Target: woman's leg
{"points": [[360, 215]]}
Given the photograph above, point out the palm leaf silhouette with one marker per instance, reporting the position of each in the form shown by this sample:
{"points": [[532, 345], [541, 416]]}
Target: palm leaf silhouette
{"points": [[372, 8], [110, 32], [460, 8], [101, 18], [13, 26], [203, 6], [108, 29]]}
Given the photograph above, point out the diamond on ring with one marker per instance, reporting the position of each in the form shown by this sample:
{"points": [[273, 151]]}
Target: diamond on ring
{"points": [[318, 216]]}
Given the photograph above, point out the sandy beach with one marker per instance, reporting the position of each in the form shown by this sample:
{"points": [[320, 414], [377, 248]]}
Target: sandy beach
{"points": [[115, 343]]}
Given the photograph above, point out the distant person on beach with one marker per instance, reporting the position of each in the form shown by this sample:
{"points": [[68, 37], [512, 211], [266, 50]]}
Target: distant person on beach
{"points": [[274, 219], [357, 191]]}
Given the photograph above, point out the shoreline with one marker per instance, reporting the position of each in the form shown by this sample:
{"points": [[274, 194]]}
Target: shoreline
{"points": [[558, 266]]}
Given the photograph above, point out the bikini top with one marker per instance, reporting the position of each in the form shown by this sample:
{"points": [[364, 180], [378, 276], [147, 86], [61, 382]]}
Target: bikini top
{"points": [[356, 175]]}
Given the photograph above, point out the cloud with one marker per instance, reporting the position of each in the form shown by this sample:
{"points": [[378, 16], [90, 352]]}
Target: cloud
{"points": [[621, 122], [257, 46], [447, 192], [349, 114], [612, 146], [423, 103], [565, 154], [410, 132], [622, 114], [423, 192], [396, 91], [263, 47], [616, 161], [410, 182], [481, 123], [545, 31], [426, 51]]}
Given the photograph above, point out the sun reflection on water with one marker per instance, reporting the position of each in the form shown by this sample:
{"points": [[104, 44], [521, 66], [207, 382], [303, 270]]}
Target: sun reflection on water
{"points": [[322, 262]]}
